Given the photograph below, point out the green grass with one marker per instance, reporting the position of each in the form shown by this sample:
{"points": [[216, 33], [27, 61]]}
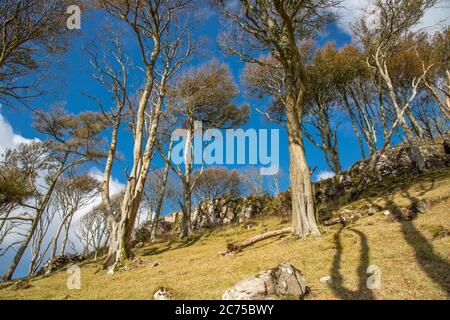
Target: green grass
{"points": [[413, 264]]}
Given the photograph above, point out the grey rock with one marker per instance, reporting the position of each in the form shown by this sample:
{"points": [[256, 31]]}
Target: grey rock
{"points": [[325, 279], [162, 294], [346, 180], [139, 245], [137, 262], [373, 208], [21, 284], [423, 206], [282, 282]]}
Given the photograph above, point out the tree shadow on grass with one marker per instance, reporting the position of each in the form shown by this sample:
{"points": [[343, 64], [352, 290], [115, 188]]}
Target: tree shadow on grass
{"points": [[337, 280], [436, 267], [179, 245]]}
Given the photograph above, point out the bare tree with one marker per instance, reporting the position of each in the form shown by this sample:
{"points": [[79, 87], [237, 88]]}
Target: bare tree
{"points": [[382, 35], [217, 182], [430, 116], [72, 193], [253, 180], [321, 106], [74, 142], [435, 52], [155, 191], [111, 68], [163, 37], [38, 252], [92, 232], [274, 182], [30, 32], [202, 95]]}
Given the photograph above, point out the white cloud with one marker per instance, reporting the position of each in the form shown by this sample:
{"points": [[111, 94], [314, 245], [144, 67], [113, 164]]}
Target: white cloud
{"points": [[115, 186], [9, 139], [323, 175], [435, 18]]}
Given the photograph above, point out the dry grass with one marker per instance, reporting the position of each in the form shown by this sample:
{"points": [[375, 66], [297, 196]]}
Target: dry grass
{"points": [[413, 265]]}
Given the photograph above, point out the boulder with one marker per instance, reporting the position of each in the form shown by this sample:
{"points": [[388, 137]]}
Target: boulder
{"points": [[142, 233], [423, 206], [139, 245], [373, 208], [325, 279], [250, 226], [61, 261], [282, 282], [137, 262], [402, 213], [346, 180]]}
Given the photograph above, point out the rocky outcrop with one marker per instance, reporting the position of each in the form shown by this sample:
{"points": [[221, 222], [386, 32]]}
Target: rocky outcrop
{"points": [[21, 285], [142, 234], [214, 213], [62, 261], [394, 162], [282, 282], [211, 214], [217, 212]]}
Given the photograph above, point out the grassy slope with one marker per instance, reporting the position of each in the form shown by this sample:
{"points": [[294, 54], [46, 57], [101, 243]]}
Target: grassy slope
{"points": [[413, 265]]}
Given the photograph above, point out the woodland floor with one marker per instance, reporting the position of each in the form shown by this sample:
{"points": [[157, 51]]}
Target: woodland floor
{"points": [[413, 265]]}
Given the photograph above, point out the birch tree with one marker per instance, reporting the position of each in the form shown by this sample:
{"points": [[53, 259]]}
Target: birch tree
{"points": [[321, 107], [358, 94], [162, 34], [382, 33], [39, 246], [202, 95], [72, 193], [92, 231], [438, 78], [74, 141]]}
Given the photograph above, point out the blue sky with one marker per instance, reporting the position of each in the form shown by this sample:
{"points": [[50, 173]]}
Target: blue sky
{"points": [[71, 78]]}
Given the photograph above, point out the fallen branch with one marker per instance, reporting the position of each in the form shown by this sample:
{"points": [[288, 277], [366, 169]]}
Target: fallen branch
{"points": [[332, 221], [235, 247]]}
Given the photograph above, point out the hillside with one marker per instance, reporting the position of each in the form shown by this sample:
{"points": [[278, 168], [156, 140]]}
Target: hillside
{"points": [[413, 256]]}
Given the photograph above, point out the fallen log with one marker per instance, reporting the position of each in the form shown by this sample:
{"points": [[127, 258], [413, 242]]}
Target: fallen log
{"points": [[345, 219], [332, 221], [236, 247]]}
